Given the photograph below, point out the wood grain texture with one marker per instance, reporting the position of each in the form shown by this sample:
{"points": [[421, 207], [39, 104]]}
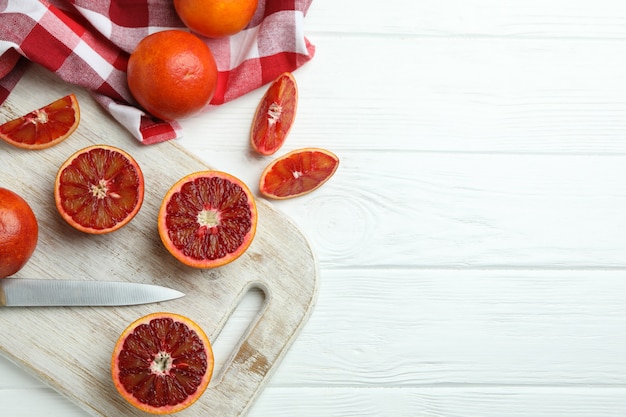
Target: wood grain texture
{"points": [[409, 402], [489, 94], [473, 210], [70, 348], [460, 328], [579, 19], [470, 244]]}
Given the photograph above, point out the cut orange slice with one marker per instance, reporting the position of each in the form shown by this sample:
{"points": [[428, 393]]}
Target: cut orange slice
{"points": [[99, 189], [162, 363], [274, 115], [298, 172], [207, 219], [44, 127]]}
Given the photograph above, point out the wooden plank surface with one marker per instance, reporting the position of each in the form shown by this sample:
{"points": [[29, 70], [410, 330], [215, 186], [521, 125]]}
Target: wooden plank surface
{"points": [[470, 245], [70, 348]]}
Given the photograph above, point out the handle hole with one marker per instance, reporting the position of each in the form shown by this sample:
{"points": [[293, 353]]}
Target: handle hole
{"points": [[236, 328]]}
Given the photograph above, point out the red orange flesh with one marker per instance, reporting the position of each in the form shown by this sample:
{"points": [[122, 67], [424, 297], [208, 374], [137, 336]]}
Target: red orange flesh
{"points": [[44, 127], [297, 173], [274, 115], [99, 189], [207, 219], [162, 363]]}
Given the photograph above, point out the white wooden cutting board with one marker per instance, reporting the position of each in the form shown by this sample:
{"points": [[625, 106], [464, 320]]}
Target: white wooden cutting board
{"points": [[70, 348]]}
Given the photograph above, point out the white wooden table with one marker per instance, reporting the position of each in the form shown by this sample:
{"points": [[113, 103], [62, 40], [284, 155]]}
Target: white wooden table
{"points": [[472, 245]]}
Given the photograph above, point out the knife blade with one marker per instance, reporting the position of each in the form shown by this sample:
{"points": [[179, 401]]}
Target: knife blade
{"points": [[25, 292]]}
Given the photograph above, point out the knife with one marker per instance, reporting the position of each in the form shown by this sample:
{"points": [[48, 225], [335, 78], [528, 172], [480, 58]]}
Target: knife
{"points": [[23, 292]]}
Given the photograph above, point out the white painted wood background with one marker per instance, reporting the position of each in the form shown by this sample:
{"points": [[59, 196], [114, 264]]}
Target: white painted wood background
{"points": [[472, 245]]}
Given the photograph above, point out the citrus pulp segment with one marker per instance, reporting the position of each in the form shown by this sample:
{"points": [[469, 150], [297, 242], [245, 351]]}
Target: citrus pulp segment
{"points": [[274, 115], [162, 363], [297, 172], [19, 232], [99, 189], [207, 219], [44, 127]]}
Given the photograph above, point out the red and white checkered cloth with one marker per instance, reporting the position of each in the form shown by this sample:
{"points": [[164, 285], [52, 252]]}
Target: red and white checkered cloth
{"points": [[87, 43]]}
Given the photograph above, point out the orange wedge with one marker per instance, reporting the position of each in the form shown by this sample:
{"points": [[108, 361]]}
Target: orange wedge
{"points": [[274, 115], [297, 173], [44, 127]]}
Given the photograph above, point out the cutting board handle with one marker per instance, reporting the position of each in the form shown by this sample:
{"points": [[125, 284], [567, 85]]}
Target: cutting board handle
{"points": [[286, 308]]}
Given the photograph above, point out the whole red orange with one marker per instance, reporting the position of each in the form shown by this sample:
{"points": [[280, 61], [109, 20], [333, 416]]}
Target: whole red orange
{"points": [[172, 74], [216, 18], [19, 232]]}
